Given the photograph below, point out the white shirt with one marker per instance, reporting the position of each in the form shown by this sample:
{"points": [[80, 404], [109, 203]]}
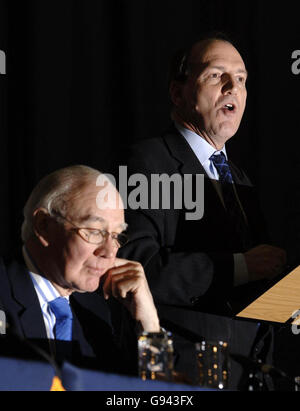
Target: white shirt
{"points": [[46, 293], [203, 151]]}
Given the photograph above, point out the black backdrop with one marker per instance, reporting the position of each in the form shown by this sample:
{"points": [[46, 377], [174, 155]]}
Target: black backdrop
{"points": [[85, 77]]}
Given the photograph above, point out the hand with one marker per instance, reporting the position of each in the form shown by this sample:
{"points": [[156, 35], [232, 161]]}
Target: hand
{"points": [[265, 262], [127, 282]]}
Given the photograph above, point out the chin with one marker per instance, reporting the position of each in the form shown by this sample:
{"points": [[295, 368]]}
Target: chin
{"points": [[89, 286], [227, 134]]}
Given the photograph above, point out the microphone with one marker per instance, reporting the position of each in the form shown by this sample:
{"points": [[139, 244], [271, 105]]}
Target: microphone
{"points": [[265, 369]]}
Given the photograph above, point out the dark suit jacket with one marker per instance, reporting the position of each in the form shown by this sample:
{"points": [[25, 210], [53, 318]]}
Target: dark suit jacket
{"points": [[189, 264], [102, 334]]}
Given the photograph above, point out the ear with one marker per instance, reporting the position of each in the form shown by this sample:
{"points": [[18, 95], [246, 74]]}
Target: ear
{"points": [[175, 91], [41, 225]]}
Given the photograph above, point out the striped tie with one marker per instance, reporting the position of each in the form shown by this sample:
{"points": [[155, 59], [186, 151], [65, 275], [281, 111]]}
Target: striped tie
{"points": [[233, 208], [64, 318]]}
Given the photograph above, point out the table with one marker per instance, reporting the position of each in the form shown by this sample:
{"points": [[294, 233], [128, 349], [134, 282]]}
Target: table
{"points": [[22, 375]]}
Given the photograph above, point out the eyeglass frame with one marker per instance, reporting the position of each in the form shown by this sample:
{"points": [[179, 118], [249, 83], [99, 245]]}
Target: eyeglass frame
{"points": [[104, 233]]}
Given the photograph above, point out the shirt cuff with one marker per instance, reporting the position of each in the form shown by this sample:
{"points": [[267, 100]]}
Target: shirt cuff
{"points": [[241, 275]]}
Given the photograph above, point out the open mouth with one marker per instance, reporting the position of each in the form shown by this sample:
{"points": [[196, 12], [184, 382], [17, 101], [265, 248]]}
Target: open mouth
{"points": [[230, 107]]}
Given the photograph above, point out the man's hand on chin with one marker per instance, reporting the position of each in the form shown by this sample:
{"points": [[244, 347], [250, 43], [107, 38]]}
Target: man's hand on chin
{"points": [[126, 282]]}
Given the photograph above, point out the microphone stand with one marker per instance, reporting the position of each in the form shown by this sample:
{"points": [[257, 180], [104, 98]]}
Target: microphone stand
{"points": [[267, 371]]}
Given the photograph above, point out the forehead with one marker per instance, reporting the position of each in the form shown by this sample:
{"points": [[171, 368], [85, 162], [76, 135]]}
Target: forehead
{"points": [[88, 204], [216, 52]]}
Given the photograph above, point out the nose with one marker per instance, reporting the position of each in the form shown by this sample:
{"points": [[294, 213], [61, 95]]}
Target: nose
{"points": [[107, 249], [230, 85]]}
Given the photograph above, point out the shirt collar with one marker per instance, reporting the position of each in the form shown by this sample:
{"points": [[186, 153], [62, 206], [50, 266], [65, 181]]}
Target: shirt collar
{"points": [[45, 289], [202, 149]]}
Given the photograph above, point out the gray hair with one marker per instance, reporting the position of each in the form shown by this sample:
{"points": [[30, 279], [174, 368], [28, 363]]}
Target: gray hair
{"points": [[53, 192]]}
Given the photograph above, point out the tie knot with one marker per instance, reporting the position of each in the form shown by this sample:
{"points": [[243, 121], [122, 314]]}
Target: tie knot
{"points": [[61, 308], [218, 159], [222, 166]]}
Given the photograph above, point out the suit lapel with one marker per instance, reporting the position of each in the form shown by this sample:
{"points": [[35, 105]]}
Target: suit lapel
{"points": [[188, 163], [30, 314], [181, 151]]}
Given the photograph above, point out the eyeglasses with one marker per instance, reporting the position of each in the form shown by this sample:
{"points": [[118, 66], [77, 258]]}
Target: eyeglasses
{"points": [[93, 235]]}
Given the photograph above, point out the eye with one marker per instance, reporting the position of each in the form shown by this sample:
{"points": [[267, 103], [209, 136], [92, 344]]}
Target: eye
{"points": [[96, 236], [94, 232], [91, 234], [241, 79], [215, 75]]}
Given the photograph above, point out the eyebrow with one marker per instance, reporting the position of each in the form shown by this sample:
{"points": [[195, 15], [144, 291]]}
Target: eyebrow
{"points": [[91, 218], [222, 68], [97, 219]]}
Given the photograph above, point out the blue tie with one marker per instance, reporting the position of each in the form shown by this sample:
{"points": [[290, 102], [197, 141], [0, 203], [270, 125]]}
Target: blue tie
{"points": [[222, 166], [64, 318], [234, 211]]}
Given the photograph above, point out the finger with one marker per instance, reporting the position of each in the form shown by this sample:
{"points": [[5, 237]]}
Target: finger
{"points": [[106, 288], [119, 290], [123, 269], [110, 284], [128, 268], [123, 286], [280, 253], [121, 261]]}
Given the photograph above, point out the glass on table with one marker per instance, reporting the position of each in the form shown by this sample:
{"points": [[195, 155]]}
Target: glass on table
{"points": [[156, 356], [213, 364]]}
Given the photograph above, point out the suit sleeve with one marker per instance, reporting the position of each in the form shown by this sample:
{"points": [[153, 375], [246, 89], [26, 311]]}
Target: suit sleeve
{"points": [[176, 276]]}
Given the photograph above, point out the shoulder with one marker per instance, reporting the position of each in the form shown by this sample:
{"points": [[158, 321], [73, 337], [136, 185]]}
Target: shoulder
{"points": [[12, 280], [147, 148], [155, 153], [7, 265], [11, 264]]}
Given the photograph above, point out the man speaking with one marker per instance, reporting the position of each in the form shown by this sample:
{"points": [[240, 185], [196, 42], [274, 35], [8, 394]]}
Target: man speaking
{"points": [[202, 272]]}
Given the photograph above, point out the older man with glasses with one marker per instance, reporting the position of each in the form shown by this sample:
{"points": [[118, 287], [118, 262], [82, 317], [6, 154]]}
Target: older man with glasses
{"points": [[57, 295]]}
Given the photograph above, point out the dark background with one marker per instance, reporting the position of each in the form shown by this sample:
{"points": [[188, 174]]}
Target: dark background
{"points": [[85, 77]]}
